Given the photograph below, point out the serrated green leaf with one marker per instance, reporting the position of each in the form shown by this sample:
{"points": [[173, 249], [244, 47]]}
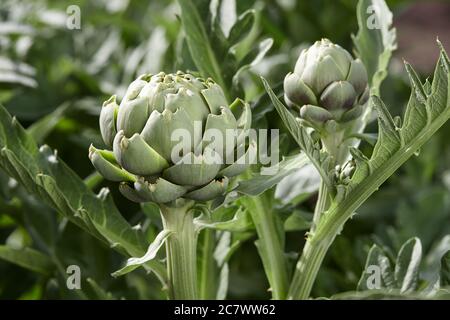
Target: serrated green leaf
{"points": [[270, 244], [377, 264], [252, 58], [198, 42], [376, 40], [133, 263], [242, 27], [299, 185], [298, 221], [241, 221], [46, 176], [259, 183], [395, 145], [407, 265], [40, 129], [264, 180]]}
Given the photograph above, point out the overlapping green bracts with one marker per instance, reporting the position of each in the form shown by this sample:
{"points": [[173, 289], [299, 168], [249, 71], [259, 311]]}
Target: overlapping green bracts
{"points": [[144, 135], [327, 84]]}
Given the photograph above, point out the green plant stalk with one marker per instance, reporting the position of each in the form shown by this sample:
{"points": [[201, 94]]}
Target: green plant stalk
{"points": [[323, 201], [313, 252], [275, 262], [331, 224], [181, 249], [309, 264]]}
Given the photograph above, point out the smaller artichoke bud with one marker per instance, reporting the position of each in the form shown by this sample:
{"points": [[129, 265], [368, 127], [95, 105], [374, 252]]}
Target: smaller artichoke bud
{"points": [[345, 171], [327, 84]]}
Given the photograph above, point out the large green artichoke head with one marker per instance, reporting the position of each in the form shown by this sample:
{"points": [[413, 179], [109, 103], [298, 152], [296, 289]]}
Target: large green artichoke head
{"points": [[163, 139], [327, 84]]}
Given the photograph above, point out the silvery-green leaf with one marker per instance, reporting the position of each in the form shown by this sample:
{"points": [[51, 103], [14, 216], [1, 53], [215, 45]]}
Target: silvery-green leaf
{"points": [[198, 42], [255, 56], [378, 272], [61, 188], [241, 221], [320, 160], [376, 40], [407, 265], [133, 263], [42, 127], [242, 27], [299, 184], [261, 182]]}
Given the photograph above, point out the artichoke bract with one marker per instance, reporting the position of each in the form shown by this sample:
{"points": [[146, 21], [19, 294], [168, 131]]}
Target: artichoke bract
{"points": [[327, 84], [149, 156]]}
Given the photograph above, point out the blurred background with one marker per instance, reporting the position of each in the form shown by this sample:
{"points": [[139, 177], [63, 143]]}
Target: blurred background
{"points": [[55, 79]]}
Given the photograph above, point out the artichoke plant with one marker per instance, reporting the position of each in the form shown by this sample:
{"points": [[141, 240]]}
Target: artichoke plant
{"points": [[170, 146], [149, 160], [327, 84], [330, 89]]}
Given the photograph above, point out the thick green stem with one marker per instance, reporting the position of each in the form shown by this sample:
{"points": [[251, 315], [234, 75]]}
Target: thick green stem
{"points": [[181, 248], [309, 264], [315, 248], [323, 201], [269, 244], [313, 252]]}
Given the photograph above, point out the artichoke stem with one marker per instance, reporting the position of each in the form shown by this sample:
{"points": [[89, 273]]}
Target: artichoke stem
{"points": [[334, 145], [181, 249], [308, 266]]}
